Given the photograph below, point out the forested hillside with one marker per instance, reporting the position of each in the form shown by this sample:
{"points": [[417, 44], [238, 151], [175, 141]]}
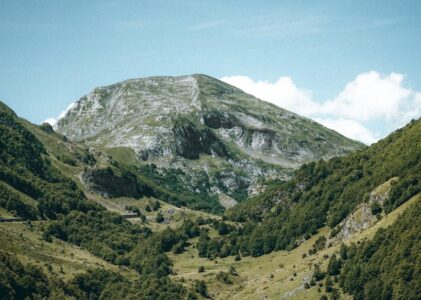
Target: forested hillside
{"points": [[324, 193], [29, 184], [33, 189], [389, 266]]}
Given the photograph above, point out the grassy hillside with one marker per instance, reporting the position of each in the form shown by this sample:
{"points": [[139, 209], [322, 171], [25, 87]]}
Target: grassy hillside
{"points": [[280, 274]]}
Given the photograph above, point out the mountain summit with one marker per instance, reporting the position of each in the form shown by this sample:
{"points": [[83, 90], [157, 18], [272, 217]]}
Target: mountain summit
{"points": [[196, 122]]}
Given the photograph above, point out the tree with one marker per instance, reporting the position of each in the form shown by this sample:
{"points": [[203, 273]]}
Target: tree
{"points": [[201, 288], [334, 266], [223, 228], [179, 247], [159, 217], [335, 294], [201, 269], [343, 252], [376, 209], [156, 205], [328, 284], [318, 273], [143, 218]]}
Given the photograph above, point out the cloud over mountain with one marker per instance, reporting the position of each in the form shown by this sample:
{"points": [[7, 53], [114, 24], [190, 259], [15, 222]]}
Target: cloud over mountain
{"points": [[367, 103]]}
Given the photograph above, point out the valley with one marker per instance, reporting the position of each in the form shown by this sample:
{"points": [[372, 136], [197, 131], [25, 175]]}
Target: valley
{"points": [[188, 188]]}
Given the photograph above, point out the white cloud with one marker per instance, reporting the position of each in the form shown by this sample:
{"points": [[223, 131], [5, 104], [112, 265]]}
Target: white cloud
{"points": [[283, 93], [371, 98], [53, 120], [351, 129]]}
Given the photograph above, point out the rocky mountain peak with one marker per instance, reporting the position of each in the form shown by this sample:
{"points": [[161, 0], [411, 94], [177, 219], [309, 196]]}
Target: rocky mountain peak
{"points": [[198, 123]]}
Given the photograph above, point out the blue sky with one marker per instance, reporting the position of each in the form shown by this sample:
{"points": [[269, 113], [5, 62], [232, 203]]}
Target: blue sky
{"points": [[53, 52]]}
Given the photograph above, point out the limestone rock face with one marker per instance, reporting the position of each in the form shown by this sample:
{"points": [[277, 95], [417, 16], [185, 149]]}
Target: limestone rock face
{"points": [[198, 123]]}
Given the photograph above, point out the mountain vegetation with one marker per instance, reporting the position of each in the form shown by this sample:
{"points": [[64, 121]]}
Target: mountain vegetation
{"points": [[114, 212], [324, 193], [387, 267], [34, 189]]}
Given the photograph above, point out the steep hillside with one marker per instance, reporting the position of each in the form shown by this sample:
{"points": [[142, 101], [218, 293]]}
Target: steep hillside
{"points": [[325, 193], [290, 274], [34, 189], [210, 138], [389, 266], [29, 184]]}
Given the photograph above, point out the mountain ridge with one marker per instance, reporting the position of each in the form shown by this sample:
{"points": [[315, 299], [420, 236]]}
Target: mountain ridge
{"points": [[202, 92]]}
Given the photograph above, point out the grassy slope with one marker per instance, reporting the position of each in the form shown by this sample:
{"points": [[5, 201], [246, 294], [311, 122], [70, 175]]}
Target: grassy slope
{"points": [[66, 260], [175, 218], [255, 280]]}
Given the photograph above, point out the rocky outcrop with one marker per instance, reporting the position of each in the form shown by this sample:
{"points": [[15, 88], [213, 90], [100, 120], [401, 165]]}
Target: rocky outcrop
{"points": [[109, 183], [364, 216], [192, 141]]}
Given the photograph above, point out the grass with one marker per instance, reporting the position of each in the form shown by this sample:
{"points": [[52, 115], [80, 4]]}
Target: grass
{"points": [[58, 259], [385, 187], [5, 213], [124, 155]]}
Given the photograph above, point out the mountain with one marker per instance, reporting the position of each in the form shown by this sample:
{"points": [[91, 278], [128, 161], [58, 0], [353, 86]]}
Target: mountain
{"points": [[57, 244], [351, 222], [371, 181], [333, 203], [214, 140]]}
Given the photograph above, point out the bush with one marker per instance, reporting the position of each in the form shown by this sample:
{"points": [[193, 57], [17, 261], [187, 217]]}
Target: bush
{"points": [[159, 217], [223, 277], [318, 274], [201, 288], [155, 205]]}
